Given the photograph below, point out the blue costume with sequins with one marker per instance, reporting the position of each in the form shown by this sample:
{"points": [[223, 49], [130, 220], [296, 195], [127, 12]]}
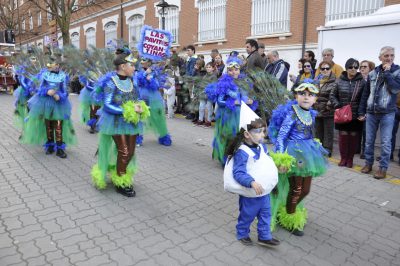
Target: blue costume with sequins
{"points": [[296, 137], [47, 116], [149, 91], [228, 95], [117, 137], [88, 105], [291, 129], [23, 93], [111, 121]]}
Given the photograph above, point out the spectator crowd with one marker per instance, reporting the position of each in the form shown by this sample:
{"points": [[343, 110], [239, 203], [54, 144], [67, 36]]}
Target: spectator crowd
{"points": [[370, 93]]}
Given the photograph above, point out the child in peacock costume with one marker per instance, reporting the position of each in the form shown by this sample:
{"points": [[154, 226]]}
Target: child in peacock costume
{"points": [[88, 105], [150, 80], [119, 124], [25, 90], [50, 112], [228, 93], [291, 132], [29, 71], [88, 65]]}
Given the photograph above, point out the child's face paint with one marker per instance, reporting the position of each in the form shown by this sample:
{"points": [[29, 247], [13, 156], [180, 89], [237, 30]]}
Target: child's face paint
{"points": [[306, 99], [256, 135]]}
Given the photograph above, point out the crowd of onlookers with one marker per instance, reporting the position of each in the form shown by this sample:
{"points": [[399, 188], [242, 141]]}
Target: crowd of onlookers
{"points": [[370, 91]]}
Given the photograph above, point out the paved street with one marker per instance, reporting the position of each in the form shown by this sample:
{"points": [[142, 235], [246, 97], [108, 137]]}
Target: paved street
{"points": [[50, 214]]}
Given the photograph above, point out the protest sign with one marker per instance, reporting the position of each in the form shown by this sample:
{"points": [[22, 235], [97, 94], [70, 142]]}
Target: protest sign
{"points": [[154, 44]]}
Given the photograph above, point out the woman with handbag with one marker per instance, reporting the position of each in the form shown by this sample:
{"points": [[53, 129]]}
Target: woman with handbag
{"points": [[345, 98]]}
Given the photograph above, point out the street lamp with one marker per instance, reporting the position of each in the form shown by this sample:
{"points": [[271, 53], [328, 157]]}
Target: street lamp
{"points": [[163, 5]]}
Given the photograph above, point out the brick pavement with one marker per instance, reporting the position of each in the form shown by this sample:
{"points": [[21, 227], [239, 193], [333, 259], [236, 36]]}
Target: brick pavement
{"points": [[51, 215]]}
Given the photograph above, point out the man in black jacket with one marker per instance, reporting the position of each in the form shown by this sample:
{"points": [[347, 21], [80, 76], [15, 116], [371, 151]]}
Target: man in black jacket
{"points": [[254, 59]]}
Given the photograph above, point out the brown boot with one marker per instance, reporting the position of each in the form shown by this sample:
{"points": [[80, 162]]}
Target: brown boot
{"points": [[366, 169], [380, 174]]}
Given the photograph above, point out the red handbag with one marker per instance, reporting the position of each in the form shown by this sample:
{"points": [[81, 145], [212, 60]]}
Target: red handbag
{"points": [[344, 114]]}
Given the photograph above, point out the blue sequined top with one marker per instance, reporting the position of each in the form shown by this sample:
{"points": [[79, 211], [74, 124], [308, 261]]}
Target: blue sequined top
{"points": [[117, 92], [297, 125], [54, 81]]}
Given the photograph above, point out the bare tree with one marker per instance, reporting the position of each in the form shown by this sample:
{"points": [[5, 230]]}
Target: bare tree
{"points": [[62, 10], [8, 14]]}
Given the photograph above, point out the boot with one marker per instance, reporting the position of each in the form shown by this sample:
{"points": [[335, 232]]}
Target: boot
{"points": [[380, 174], [60, 150], [352, 148], [49, 147], [343, 147], [366, 169], [126, 191]]}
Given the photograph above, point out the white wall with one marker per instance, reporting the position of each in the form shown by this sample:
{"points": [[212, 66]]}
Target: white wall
{"points": [[360, 43]]}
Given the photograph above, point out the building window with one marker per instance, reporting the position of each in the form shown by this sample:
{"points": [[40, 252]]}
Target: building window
{"points": [[342, 9], [23, 25], [75, 39], [171, 22], [39, 20], [30, 22], [60, 42], [49, 15], [90, 37], [270, 17], [135, 27], [110, 30], [212, 19], [75, 6]]}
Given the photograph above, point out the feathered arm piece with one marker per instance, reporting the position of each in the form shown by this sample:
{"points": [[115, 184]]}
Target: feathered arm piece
{"points": [[277, 119], [98, 91], [228, 92], [63, 92], [211, 91], [283, 160], [130, 115]]}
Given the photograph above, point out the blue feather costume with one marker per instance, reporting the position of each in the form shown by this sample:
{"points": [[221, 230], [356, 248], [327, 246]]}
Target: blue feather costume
{"points": [[45, 110]]}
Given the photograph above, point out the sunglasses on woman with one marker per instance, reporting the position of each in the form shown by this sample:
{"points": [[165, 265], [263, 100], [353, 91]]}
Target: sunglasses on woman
{"points": [[352, 67], [325, 68], [307, 66]]}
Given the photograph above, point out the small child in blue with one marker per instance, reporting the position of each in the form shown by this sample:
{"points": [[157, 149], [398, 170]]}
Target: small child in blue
{"points": [[251, 173]]}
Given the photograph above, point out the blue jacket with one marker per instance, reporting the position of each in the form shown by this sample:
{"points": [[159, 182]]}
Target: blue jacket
{"points": [[279, 70], [190, 65], [240, 162], [379, 96]]}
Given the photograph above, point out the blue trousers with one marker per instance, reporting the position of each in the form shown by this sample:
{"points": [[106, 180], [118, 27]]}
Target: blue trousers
{"points": [[249, 209], [385, 123]]}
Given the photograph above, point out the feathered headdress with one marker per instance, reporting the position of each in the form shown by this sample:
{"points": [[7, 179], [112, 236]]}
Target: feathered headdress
{"points": [[233, 61], [309, 85]]}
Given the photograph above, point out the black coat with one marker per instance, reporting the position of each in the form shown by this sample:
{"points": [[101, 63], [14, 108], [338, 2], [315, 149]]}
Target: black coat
{"points": [[342, 93]]}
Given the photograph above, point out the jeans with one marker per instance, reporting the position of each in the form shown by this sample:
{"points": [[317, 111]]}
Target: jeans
{"points": [[385, 123], [394, 132], [205, 104]]}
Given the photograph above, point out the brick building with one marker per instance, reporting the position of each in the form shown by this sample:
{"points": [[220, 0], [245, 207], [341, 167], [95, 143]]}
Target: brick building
{"points": [[284, 25]]}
